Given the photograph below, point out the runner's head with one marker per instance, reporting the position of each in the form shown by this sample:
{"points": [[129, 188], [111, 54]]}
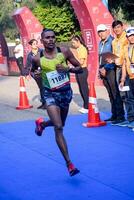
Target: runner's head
{"points": [[48, 38]]}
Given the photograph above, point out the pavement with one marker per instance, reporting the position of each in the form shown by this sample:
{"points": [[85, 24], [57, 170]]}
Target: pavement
{"points": [[9, 100]]}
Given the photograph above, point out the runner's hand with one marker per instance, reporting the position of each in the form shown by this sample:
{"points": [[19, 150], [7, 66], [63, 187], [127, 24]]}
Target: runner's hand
{"points": [[60, 68]]}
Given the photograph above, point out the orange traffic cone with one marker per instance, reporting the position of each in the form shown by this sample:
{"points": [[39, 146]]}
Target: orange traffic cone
{"points": [[93, 112], [23, 100]]}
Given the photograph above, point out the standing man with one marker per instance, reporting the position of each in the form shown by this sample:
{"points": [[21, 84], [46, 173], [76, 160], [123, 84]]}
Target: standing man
{"points": [[118, 44], [108, 74], [128, 68], [18, 52], [56, 90]]}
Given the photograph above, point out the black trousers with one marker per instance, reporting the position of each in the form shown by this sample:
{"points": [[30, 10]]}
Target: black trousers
{"points": [[131, 84], [20, 65], [114, 95], [127, 97], [83, 86]]}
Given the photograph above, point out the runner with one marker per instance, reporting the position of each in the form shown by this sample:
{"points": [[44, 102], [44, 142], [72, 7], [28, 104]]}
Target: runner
{"points": [[57, 90]]}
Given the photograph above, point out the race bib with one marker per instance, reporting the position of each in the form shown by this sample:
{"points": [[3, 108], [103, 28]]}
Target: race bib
{"points": [[132, 68], [57, 80]]}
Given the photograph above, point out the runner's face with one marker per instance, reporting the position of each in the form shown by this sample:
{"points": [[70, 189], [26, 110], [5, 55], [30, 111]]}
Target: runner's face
{"points": [[49, 40], [118, 29]]}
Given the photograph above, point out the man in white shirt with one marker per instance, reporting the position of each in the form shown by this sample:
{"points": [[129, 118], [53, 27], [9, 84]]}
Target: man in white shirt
{"points": [[18, 52]]}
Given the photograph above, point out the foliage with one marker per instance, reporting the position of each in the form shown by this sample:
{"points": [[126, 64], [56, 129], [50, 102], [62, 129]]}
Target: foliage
{"points": [[54, 2], [31, 4], [5, 14], [58, 19], [58, 15], [123, 10], [7, 25]]}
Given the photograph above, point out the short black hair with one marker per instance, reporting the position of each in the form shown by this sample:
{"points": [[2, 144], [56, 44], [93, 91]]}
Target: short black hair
{"points": [[117, 22], [31, 41], [46, 30]]}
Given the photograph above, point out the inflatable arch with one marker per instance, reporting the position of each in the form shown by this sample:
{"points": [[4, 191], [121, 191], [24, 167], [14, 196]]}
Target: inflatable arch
{"points": [[4, 54], [90, 13], [28, 25]]}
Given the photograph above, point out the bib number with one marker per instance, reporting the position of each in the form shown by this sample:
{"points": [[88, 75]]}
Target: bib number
{"points": [[57, 80]]}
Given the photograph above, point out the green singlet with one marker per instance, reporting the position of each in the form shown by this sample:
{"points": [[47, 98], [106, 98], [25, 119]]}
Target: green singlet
{"points": [[51, 78]]}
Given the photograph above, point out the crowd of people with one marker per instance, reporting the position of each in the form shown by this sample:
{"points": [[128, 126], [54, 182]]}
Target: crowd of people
{"points": [[51, 66], [117, 71]]}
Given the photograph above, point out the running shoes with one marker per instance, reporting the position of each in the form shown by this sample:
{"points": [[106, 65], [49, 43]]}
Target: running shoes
{"points": [[39, 128], [72, 170]]}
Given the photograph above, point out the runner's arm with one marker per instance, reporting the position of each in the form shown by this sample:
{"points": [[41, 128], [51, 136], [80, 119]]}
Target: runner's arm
{"points": [[70, 57]]}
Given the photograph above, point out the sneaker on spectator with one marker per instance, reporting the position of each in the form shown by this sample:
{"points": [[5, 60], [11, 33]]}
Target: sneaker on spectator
{"points": [[131, 124], [118, 121], [39, 129], [72, 170], [83, 110], [125, 123]]}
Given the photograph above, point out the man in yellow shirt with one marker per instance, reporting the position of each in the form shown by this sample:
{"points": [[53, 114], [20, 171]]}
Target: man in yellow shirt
{"points": [[128, 69], [118, 45], [119, 42]]}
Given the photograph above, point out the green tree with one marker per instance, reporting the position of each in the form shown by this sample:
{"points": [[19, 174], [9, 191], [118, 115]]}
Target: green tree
{"points": [[5, 14], [7, 25], [54, 2], [58, 15], [123, 10]]}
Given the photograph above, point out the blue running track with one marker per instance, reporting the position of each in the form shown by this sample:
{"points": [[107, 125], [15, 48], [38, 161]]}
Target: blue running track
{"points": [[32, 168]]}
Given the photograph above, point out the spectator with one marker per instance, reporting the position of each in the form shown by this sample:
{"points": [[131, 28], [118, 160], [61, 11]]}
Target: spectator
{"points": [[34, 70], [18, 52], [128, 68], [118, 44], [108, 75], [81, 55]]}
